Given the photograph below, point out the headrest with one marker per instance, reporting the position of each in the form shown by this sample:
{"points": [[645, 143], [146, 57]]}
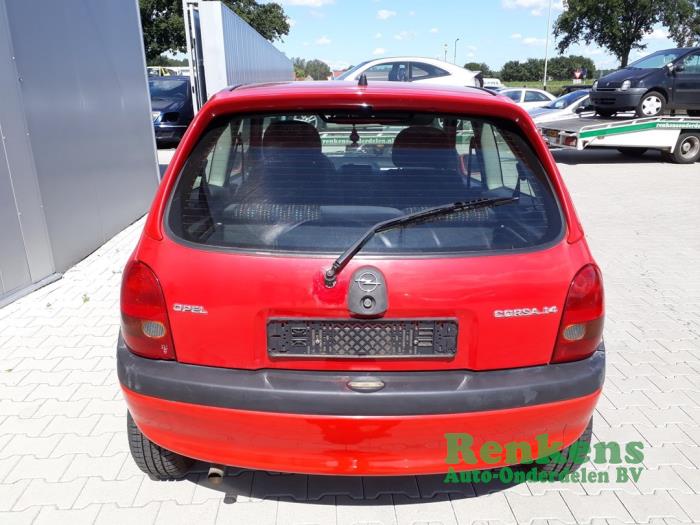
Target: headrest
{"points": [[422, 147], [292, 134]]}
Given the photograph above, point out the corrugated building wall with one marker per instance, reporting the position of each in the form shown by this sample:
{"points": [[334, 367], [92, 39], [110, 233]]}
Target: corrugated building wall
{"points": [[78, 161]]}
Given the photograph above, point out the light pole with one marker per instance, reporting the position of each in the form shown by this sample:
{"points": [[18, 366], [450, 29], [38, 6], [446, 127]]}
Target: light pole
{"points": [[454, 59], [445, 46], [546, 45]]}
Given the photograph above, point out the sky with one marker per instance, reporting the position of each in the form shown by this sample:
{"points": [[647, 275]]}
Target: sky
{"points": [[346, 32]]}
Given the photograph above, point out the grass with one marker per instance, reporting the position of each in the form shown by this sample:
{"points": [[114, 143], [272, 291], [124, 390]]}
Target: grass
{"points": [[553, 86]]}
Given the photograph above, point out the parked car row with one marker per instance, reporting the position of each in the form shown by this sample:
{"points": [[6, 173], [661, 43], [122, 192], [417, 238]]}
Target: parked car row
{"points": [[667, 80]]}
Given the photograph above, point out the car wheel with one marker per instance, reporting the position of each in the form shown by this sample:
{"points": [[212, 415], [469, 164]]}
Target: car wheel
{"points": [[652, 104], [152, 459], [605, 113], [632, 152], [687, 149], [569, 463]]}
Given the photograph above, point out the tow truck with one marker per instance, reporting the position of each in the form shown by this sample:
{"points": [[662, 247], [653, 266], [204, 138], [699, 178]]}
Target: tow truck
{"points": [[677, 137]]}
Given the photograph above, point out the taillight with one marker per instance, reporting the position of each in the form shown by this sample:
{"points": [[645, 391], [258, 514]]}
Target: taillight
{"points": [[145, 325], [581, 329]]}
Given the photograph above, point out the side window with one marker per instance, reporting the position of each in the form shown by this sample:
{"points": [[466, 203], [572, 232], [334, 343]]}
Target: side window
{"points": [[379, 72], [501, 162], [225, 161], [691, 65], [394, 71], [535, 96], [513, 95], [420, 71]]}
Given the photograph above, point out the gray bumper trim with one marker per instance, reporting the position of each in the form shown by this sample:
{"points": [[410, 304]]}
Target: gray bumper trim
{"points": [[327, 393]]}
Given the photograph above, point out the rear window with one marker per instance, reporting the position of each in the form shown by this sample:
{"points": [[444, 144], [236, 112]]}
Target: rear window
{"points": [[315, 183]]}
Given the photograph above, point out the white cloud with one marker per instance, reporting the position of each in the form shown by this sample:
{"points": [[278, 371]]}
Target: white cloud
{"points": [[404, 35], [291, 22], [657, 34], [536, 7], [323, 41], [336, 65], [592, 51], [528, 40], [377, 35], [379, 51], [306, 3], [411, 13], [434, 30], [470, 55], [385, 14], [471, 48], [533, 41]]}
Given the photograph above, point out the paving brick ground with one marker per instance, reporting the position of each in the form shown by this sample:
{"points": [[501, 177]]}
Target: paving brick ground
{"points": [[63, 449]]}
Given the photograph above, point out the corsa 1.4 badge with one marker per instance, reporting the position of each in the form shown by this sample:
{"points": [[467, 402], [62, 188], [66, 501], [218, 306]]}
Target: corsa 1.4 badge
{"points": [[525, 312]]}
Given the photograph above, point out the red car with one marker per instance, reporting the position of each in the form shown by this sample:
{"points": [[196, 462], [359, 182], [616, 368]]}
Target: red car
{"points": [[342, 302]]}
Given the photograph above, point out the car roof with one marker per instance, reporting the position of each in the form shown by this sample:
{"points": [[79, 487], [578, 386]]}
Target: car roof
{"points": [[410, 58], [330, 87]]}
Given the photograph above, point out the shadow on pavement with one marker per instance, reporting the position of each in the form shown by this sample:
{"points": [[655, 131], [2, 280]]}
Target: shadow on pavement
{"points": [[241, 485], [604, 156]]}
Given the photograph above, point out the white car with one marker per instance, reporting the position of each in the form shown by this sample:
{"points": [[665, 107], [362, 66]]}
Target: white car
{"points": [[413, 69], [565, 107], [528, 98]]}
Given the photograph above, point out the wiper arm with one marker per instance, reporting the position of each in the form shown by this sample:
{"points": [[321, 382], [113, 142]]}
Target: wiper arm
{"points": [[341, 262]]}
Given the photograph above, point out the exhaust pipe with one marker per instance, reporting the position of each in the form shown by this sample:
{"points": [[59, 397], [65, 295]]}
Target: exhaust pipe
{"points": [[216, 474]]}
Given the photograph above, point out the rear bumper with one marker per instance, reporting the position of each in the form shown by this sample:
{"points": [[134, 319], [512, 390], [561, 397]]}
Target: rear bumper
{"points": [[169, 132], [311, 422], [617, 100]]}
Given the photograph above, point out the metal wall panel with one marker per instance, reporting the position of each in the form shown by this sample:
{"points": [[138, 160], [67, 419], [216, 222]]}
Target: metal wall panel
{"points": [[25, 252], [87, 108], [234, 53], [79, 152]]}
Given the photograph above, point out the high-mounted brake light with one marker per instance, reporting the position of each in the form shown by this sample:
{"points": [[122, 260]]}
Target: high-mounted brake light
{"points": [[145, 325], [581, 329]]}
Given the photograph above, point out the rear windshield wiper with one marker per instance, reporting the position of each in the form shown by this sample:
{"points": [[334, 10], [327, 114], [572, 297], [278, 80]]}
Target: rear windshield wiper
{"points": [[410, 218]]}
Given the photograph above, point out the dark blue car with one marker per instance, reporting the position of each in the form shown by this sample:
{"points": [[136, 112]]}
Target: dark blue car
{"points": [[665, 80], [171, 107]]}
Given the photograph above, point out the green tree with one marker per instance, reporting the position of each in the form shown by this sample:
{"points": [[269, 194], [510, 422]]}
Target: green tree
{"points": [[317, 69], [268, 19], [512, 70], [563, 67], [299, 67], [476, 66], [164, 28], [617, 25], [684, 23]]}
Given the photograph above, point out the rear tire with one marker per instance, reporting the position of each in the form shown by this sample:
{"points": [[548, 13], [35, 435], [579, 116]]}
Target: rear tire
{"points": [[632, 152], [152, 459], [652, 104], [569, 464], [687, 149]]}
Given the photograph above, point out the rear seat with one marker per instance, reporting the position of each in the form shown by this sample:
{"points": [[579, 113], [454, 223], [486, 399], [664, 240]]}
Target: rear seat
{"points": [[294, 170], [426, 168]]}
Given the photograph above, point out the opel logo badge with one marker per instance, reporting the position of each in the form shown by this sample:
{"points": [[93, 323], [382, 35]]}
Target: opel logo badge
{"points": [[367, 282]]}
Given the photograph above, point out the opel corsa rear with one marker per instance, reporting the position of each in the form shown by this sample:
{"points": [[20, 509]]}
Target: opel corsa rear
{"points": [[337, 298]]}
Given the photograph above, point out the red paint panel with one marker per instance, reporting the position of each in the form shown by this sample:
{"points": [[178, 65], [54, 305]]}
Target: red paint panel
{"points": [[347, 445]]}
